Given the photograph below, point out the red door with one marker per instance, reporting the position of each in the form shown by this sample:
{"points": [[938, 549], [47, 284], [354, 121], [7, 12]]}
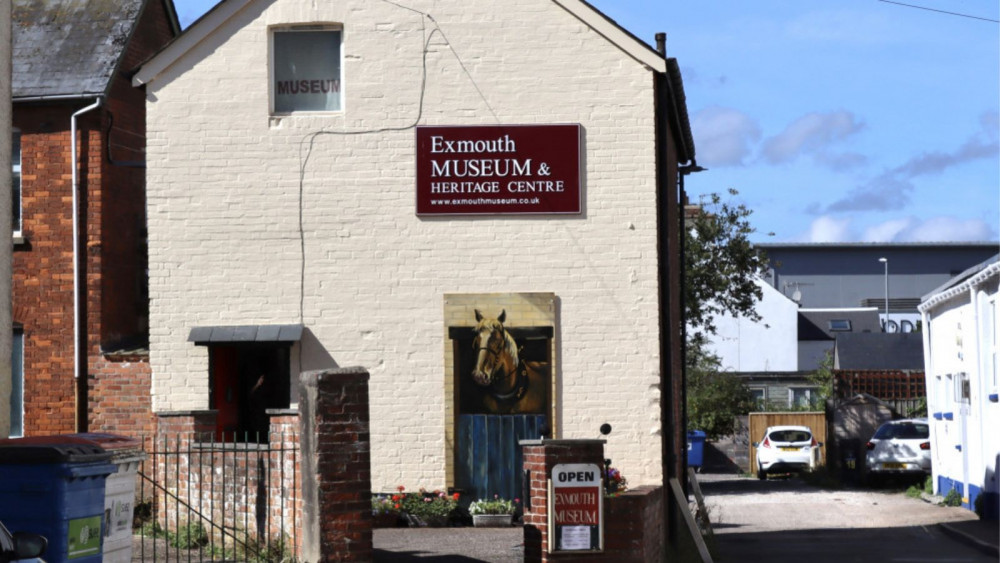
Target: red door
{"points": [[226, 390]]}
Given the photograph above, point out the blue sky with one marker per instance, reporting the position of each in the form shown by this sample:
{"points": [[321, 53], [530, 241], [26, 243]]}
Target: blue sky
{"points": [[846, 121]]}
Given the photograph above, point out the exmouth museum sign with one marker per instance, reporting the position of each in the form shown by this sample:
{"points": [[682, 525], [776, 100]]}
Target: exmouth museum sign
{"points": [[502, 169]]}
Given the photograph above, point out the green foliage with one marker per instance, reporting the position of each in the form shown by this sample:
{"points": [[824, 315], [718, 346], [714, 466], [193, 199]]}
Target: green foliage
{"points": [[823, 379], [495, 505], [953, 498], [721, 265], [187, 536], [920, 410], [714, 398]]}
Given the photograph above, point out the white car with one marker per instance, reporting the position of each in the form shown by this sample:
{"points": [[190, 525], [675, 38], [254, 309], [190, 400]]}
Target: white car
{"points": [[785, 449], [900, 447]]}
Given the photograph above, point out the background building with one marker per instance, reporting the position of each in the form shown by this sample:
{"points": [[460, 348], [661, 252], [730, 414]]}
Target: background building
{"points": [[79, 166], [962, 356]]}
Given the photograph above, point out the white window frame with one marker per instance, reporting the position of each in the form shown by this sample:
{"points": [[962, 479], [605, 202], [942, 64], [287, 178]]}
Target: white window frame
{"points": [[293, 28], [15, 162], [808, 395]]}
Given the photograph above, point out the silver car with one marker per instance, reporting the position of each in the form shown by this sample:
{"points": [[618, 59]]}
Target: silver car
{"points": [[900, 447]]}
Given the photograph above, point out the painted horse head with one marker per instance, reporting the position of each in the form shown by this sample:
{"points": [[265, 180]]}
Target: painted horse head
{"points": [[496, 351]]}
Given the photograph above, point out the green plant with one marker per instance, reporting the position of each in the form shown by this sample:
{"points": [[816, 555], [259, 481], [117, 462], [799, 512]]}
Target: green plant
{"points": [[496, 505], [714, 398], [953, 498], [187, 536]]}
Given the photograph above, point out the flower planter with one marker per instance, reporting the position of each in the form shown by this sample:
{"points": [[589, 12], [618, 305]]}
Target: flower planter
{"points": [[492, 520]]}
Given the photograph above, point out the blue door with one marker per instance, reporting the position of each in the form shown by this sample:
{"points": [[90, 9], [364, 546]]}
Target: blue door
{"points": [[488, 458]]}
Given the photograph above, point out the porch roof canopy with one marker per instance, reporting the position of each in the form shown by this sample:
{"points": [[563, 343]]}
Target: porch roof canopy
{"points": [[205, 335]]}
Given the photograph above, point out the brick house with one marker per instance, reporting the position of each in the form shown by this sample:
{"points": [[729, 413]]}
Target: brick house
{"points": [[80, 358], [383, 184]]}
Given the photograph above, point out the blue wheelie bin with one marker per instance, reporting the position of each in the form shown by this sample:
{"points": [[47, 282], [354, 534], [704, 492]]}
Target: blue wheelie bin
{"points": [[696, 449], [54, 486]]}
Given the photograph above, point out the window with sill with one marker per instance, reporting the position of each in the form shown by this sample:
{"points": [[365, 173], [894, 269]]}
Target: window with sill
{"points": [[306, 69]]}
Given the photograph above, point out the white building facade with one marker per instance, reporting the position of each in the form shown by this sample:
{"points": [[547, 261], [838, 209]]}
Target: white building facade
{"points": [[766, 345], [284, 172], [962, 364]]}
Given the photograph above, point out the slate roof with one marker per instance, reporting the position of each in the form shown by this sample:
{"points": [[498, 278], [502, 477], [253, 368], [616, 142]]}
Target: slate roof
{"points": [[69, 47], [814, 324], [880, 351]]}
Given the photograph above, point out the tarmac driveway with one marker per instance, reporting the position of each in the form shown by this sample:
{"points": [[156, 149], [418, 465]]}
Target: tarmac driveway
{"points": [[787, 520]]}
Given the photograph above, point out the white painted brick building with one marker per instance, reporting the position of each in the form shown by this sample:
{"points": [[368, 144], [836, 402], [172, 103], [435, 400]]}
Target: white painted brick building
{"points": [[308, 218]]}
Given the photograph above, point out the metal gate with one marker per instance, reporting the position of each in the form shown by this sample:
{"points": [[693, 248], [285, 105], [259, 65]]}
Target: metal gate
{"points": [[219, 501], [488, 458]]}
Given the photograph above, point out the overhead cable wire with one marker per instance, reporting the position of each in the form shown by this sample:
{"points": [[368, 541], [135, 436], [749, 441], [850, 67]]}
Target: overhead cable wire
{"points": [[940, 11]]}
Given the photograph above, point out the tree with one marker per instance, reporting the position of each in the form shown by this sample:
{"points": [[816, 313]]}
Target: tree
{"points": [[714, 398], [721, 265], [721, 269]]}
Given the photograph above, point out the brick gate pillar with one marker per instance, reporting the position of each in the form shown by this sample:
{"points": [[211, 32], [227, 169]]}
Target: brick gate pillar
{"points": [[540, 456], [336, 465]]}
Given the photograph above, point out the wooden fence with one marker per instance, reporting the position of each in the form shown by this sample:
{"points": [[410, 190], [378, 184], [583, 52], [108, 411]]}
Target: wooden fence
{"points": [[903, 391], [760, 421]]}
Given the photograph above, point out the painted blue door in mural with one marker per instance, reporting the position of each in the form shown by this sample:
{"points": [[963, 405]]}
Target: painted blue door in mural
{"points": [[488, 454]]}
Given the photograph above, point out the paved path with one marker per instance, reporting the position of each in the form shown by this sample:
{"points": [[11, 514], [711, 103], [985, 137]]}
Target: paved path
{"points": [[785, 520], [440, 545]]}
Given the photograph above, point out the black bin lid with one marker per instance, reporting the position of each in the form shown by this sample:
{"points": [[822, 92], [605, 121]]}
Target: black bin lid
{"points": [[50, 449]]}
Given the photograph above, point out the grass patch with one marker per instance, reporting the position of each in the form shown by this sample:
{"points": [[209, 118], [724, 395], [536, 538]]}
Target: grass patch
{"points": [[953, 498]]}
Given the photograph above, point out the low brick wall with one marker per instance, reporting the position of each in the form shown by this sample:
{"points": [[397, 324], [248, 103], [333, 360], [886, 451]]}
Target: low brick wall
{"points": [[633, 526]]}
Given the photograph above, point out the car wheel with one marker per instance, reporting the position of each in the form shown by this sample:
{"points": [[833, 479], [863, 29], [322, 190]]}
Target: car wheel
{"points": [[761, 474]]}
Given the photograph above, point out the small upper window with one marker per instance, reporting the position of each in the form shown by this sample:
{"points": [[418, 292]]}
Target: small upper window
{"points": [[15, 184], [306, 70], [840, 325]]}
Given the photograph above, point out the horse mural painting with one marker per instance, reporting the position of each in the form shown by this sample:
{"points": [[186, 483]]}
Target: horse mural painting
{"points": [[510, 384], [503, 394]]}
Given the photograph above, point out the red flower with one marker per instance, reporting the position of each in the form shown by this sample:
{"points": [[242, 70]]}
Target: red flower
{"points": [[396, 497], [455, 496], [400, 488], [397, 506]]}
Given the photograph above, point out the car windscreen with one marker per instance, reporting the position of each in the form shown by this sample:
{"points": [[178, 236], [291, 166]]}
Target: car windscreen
{"points": [[790, 436], [904, 431]]}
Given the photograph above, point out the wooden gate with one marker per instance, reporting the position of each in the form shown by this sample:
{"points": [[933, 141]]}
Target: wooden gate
{"points": [[488, 458], [760, 421]]}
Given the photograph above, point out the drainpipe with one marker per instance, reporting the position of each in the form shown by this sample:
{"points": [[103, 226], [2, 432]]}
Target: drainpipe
{"points": [[81, 383]]}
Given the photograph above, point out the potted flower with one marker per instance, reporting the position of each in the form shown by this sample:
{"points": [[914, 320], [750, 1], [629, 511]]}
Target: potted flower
{"points": [[615, 483], [427, 508], [493, 513], [385, 510]]}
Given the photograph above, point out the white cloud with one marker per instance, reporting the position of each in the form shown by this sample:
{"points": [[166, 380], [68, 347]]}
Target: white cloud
{"points": [[886, 231], [828, 229], [938, 229], [724, 136], [812, 133], [891, 189]]}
